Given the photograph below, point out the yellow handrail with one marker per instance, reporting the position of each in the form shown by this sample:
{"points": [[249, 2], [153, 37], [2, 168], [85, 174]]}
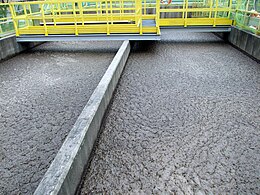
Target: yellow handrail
{"points": [[115, 16]]}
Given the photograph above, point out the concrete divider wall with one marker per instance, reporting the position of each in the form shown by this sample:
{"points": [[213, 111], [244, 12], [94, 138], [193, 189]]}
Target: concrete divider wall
{"points": [[9, 47], [64, 174]]}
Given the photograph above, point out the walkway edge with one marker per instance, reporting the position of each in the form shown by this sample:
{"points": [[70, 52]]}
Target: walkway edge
{"points": [[64, 174]]}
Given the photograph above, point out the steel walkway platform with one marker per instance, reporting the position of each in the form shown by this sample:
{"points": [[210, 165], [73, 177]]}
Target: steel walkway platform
{"points": [[88, 37], [118, 37], [72, 20]]}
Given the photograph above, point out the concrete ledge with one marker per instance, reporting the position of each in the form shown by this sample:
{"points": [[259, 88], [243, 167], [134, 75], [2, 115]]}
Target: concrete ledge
{"points": [[64, 174], [9, 47], [246, 41]]}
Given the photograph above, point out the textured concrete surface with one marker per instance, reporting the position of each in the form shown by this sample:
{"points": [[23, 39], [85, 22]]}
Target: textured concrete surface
{"points": [[185, 119], [42, 92]]}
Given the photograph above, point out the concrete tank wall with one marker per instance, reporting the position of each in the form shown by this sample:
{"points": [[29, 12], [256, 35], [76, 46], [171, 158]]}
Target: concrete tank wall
{"points": [[246, 41], [9, 47]]}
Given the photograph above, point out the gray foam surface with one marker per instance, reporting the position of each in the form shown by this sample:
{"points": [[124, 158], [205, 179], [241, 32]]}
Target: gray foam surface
{"points": [[42, 92], [185, 119]]}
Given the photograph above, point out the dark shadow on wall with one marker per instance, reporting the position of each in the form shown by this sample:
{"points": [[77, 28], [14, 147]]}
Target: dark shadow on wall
{"points": [[142, 46], [97, 47]]}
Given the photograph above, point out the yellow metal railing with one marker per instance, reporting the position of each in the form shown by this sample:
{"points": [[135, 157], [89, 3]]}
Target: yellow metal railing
{"points": [[6, 22], [201, 13], [80, 17], [248, 20]]}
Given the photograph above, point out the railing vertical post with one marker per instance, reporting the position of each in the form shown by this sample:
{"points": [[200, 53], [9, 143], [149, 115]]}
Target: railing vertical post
{"points": [[15, 21], [97, 9], [100, 8], [52, 12], [210, 12], [157, 16], [140, 15], [26, 16], [144, 7], [81, 13], [75, 19], [120, 10], [111, 11], [59, 8], [30, 9], [215, 16], [230, 8], [44, 21], [186, 13], [108, 30], [183, 7], [136, 12]]}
